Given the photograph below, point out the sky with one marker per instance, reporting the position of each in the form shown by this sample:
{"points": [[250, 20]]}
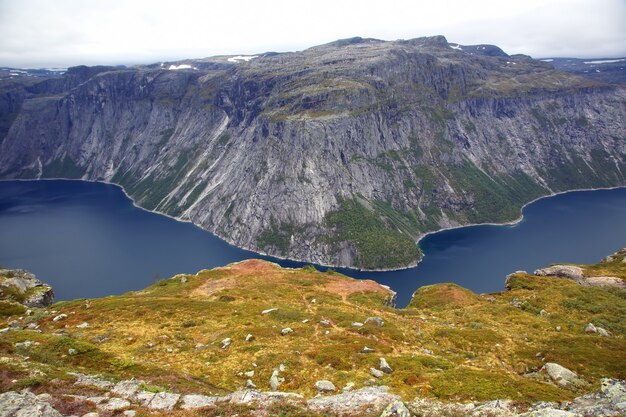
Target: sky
{"points": [[61, 33]]}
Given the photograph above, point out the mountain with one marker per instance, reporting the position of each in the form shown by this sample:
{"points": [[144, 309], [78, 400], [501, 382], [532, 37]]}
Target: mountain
{"points": [[188, 345], [342, 154], [608, 70]]}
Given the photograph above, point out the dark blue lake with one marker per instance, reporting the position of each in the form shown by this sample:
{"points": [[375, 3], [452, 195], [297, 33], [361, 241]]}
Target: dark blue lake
{"points": [[88, 240]]}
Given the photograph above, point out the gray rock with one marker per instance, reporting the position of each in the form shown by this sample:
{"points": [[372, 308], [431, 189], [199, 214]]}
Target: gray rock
{"points": [[114, 404], [349, 387], [60, 317], [183, 280], [34, 292], [226, 343], [286, 331], [496, 408], [26, 404], [367, 350], [375, 372], [129, 413], [590, 328], [82, 379], [249, 337], [384, 366], [563, 271], [84, 325], [72, 352], [603, 282], [24, 345], [561, 375], [275, 380], [357, 402], [191, 401], [325, 322], [396, 409], [127, 388], [15, 324], [93, 414], [376, 320], [549, 412], [426, 407], [249, 374], [269, 310], [164, 401], [325, 386], [250, 384], [356, 324], [603, 332]]}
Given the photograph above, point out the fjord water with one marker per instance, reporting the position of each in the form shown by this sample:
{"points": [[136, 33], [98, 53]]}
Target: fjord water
{"points": [[88, 240]]}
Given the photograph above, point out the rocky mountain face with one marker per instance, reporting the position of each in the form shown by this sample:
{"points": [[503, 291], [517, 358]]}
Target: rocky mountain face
{"points": [[342, 154]]}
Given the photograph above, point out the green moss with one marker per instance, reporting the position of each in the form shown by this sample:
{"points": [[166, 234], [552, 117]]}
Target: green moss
{"points": [[480, 385]]}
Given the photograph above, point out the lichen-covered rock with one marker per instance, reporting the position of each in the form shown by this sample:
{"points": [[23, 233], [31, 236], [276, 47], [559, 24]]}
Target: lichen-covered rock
{"points": [[561, 375], [396, 409], [14, 404], [325, 386], [606, 282], [563, 271], [364, 400], [192, 401], [23, 287]]}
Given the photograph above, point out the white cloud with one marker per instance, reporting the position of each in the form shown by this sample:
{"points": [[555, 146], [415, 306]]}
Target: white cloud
{"points": [[69, 32]]}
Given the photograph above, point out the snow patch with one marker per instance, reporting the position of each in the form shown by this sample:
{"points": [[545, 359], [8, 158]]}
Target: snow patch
{"points": [[181, 66], [241, 58], [455, 46], [547, 60], [605, 61]]}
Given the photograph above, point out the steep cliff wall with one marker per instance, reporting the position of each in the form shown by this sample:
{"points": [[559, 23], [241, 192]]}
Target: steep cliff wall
{"points": [[343, 154]]}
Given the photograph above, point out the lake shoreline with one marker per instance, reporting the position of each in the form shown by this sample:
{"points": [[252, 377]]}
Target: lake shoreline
{"points": [[261, 253]]}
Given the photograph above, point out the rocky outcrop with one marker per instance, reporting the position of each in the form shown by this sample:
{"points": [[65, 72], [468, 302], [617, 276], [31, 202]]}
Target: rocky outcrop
{"points": [[25, 404], [563, 271], [577, 274], [343, 154], [23, 287]]}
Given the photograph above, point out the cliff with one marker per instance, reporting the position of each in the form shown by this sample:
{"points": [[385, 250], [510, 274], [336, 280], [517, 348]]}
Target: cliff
{"points": [[342, 154]]}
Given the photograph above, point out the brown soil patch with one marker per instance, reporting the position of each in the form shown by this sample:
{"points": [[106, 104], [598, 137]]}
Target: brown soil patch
{"points": [[345, 287]]}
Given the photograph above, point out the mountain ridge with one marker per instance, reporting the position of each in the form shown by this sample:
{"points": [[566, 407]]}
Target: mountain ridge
{"points": [[410, 136]]}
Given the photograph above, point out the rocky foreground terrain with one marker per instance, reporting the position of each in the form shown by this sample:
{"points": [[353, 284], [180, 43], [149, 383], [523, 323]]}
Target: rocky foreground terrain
{"points": [[255, 339], [342, 154]]}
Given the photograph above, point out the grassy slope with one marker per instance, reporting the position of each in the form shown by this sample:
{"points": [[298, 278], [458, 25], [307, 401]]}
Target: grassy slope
{"points": [[480, 346]]}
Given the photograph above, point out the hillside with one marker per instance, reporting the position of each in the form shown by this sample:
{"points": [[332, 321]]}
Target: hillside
{"points": [[341, 154], [223, 330]]}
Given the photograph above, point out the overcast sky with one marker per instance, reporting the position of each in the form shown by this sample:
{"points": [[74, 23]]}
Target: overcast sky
{"points": [[45, 33]]}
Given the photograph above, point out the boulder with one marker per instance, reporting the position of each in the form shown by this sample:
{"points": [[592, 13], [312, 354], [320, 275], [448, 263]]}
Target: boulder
{"points": [[226, 342], [590, 328], [561, 375], [605, 282], [59, 317], [367, 350], [25, 404], [376, 373], [603, 332], [563, 271], [384, 366], [376, 320], [325, 386], [275, 380], [286, 331], [32, 292]]}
